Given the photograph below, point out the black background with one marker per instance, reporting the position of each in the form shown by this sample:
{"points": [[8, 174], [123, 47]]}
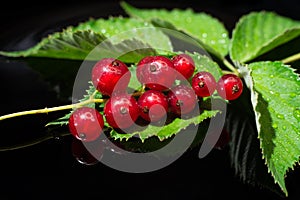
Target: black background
{"points": [[48, 170]]}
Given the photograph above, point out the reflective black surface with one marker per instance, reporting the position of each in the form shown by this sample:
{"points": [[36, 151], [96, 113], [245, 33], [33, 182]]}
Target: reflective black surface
{"points": [[49, 169]]}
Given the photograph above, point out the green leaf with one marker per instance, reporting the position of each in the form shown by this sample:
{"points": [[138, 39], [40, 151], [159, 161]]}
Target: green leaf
{"points": [[166, 131], [260, 32], [244, 147], [204, 63], [134, 82], [118, 29], [100, 38], [80, 45], [275, 95], [207, 29]]}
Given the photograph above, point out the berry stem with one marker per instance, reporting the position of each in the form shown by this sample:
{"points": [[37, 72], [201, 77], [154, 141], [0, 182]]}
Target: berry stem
{"points": [[291, 58], [231, 67], [47, 110]]}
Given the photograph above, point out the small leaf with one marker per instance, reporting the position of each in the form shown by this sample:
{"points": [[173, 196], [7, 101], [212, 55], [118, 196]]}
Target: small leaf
{"points": [[208, 30], [166, 131], [204, 63], [260, 32], [275, 95]]}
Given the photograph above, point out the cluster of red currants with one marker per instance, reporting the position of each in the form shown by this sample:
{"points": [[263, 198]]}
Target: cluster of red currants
{"points": [[159, 96]]}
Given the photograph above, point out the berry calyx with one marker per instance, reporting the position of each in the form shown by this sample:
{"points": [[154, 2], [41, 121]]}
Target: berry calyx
{"points": [[156, 72], [121, 111], [86, 124], [204, 84], [110, 75], [230, 86], [153, 105], [185, 65], [182, 99]]}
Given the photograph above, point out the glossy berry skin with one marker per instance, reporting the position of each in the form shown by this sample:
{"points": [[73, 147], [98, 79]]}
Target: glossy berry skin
{"points": [[230, 86], [182, 99], [153, 105], [204, 84], [185, 65], [121, 111], [110, 75], [86, 124], [156, 72]]}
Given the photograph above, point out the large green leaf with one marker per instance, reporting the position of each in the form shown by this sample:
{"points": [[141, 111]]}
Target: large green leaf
{"points": [[275, 95], [244, 147], [129, 39], [208, 30], [260, 32], [118, 29]]}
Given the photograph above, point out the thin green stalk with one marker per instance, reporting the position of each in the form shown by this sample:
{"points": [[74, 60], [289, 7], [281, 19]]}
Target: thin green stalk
{"points": [[47, 110], [231, 67], [291, 58]]}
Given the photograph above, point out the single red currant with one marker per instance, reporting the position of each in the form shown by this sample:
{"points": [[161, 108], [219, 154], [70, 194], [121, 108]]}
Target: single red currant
{"points": [[153, 105], [230, 86], [109, 75], [182, 99], [86, 124], [204, 84], [156, 72], [184, 64], [121, 111]]}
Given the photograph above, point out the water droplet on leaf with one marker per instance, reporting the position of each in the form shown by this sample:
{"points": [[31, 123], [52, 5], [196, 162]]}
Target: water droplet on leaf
{"points": [[280, 116], [297, 113], [275, 126]]}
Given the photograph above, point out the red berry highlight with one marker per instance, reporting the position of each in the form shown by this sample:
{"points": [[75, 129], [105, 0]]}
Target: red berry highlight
{"points": [[153, 105], [156, 72], [204, 84], [121, 111], [185, 65], [86, 124], [109, 75], [230, 86]]}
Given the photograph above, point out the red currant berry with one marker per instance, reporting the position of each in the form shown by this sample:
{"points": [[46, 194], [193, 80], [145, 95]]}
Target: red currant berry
{"points": [[156, 72], [153, 105], [182, 99], [184, 64], [121, 111], [86, 124], [230, 86], [204, 84], [109, 75]]}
